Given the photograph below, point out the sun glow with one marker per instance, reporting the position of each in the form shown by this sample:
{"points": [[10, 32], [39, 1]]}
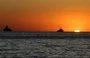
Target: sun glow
{"points": [[76, 30]]}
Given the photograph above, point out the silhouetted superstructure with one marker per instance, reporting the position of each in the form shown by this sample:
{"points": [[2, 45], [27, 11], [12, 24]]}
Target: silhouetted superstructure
{"points": [[7, 29], [60, 30]]}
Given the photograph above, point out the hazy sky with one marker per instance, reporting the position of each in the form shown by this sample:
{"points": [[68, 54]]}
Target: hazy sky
{"points": [[45, 15]]}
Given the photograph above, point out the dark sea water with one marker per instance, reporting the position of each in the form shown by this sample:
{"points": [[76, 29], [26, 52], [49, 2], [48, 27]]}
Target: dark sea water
{"points": [[50, 35], [44, 45]]}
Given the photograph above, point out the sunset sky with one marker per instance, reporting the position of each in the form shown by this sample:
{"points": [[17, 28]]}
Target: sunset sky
{"points": [[45, 15]]}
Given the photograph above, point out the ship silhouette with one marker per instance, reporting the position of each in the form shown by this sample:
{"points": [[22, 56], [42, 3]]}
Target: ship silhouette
{"points": [[7, 29], [60, 30]]}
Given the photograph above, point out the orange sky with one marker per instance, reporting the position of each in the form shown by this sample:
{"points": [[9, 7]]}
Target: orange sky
{"points": [[45, 15]]}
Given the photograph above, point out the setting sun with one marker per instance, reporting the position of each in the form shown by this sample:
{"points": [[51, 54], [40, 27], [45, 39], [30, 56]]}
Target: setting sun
{"points": [[76, 30]]}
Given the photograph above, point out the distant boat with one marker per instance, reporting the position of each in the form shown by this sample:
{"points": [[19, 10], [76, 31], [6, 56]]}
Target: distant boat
{"points": [[7, 29], [60, 30]]}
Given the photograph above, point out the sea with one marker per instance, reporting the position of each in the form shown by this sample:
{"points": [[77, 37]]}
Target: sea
{"points": [[45, 44]]}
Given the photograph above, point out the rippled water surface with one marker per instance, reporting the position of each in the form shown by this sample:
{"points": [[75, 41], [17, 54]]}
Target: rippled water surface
{"points": [[44, 47]]}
